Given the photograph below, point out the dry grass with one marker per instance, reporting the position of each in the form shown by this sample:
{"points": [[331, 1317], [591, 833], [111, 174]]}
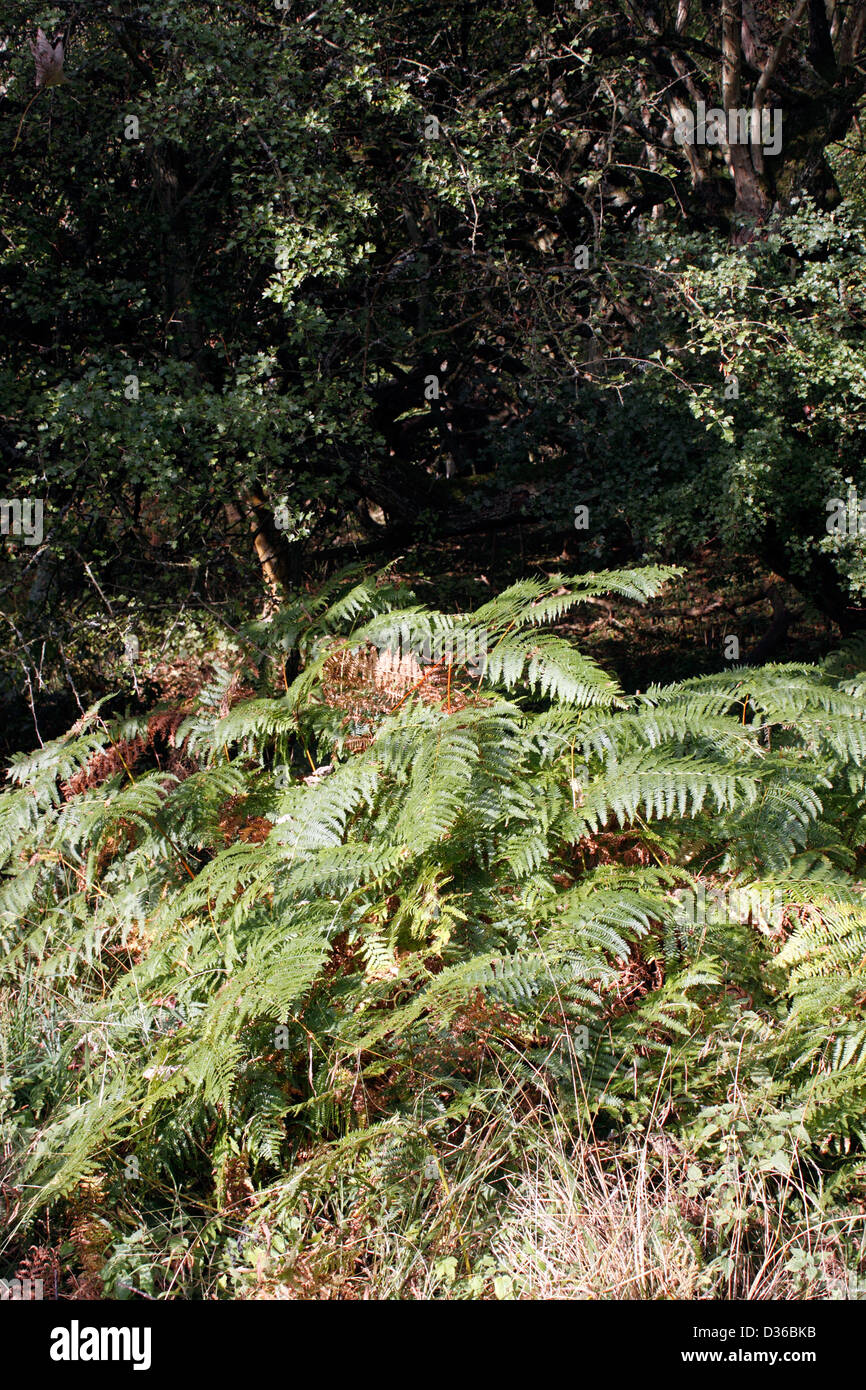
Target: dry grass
{"points": [[584, 1228], [606, 1223]]}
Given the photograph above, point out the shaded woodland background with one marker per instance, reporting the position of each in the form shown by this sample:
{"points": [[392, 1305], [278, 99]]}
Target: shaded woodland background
{"points": [[259, 322]]}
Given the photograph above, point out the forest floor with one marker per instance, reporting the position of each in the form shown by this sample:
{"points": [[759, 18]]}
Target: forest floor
{"points": [[682, 634]]}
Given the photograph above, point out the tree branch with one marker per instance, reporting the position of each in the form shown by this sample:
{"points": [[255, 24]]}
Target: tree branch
{"points": [[777, 55]]}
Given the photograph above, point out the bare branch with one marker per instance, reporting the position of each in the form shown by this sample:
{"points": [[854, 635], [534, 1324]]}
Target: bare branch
{"points": [[777, 55], [732, 23]]}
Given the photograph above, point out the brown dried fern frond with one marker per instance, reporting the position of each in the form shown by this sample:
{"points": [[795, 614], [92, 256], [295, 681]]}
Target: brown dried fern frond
{"points": [[369, 684]]}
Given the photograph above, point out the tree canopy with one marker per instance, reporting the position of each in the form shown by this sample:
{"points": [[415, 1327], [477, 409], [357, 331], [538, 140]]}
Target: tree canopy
{"points": [[285, 277]]}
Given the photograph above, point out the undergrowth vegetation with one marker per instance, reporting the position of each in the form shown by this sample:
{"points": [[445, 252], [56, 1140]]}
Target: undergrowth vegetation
{"points": [[358, 975]]}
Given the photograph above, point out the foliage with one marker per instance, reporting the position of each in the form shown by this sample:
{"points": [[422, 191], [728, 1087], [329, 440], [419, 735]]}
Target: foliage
{"points": [[238, 975], [240, 242]]}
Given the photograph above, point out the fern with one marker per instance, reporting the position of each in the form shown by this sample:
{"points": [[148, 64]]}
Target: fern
{"points": [[257, 948]]}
